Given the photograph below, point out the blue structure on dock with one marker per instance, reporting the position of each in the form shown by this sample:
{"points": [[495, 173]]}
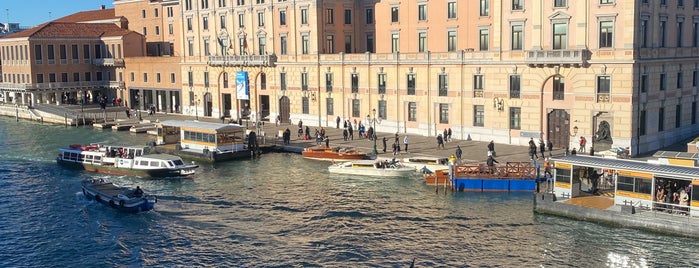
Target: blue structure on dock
{"points": [[514, 176]]}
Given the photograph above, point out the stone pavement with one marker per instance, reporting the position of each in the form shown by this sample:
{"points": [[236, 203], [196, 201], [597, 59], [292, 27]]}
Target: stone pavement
{"points": [[417, 146]]}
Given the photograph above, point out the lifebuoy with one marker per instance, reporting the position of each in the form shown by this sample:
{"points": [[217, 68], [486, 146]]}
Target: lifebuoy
{"points": [[111, 203], [121, 203]]}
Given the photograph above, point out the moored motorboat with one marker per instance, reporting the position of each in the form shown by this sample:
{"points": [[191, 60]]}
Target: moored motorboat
{"points": [[117, 197], [123, 160], [372, 168], [322, 152]]}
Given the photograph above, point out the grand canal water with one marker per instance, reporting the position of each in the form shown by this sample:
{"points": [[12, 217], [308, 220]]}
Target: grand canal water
{"points": [[285, 211]]}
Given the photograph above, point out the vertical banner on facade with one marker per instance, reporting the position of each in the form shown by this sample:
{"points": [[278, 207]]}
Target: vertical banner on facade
{"points": [[242, 85]]}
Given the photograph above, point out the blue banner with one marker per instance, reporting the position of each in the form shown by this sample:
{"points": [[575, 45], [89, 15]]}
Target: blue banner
{"points": [[242, 85]]}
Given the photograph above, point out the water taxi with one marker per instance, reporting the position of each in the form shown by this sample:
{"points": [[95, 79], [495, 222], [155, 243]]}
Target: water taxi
{"points": [[120, 198], [123, 160], [322, 152], [372, 168]]}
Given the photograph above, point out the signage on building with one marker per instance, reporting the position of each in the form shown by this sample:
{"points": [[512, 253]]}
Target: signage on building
{"points": [[242, 85]]}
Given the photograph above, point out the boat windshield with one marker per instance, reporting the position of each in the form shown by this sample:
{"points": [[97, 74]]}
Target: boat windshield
{"points": [[178, 162]]}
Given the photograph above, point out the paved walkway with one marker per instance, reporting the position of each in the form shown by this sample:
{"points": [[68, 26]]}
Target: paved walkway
{"points": [[418, 145]]}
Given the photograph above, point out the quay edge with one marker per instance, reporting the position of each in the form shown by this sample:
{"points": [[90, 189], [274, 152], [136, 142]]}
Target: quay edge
{"points": [[618, 216]]}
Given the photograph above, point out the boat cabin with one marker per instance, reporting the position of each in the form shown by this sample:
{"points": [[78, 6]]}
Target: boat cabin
{"points": [[628, 182], [201, 136], [428, 160]]}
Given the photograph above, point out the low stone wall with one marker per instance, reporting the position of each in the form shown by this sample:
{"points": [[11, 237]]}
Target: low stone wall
{"points": [[545, 203]]}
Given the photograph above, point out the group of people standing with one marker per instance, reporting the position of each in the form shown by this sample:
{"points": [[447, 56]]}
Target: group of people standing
{"points": [[543, 146]]}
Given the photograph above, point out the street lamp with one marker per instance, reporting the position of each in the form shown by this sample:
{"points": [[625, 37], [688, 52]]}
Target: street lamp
{"points": [[373, 122], [196, 110]]}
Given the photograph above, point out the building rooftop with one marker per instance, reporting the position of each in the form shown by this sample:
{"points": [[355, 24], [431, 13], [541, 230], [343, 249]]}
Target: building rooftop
{"points": [[71, 30], [99, 15]]}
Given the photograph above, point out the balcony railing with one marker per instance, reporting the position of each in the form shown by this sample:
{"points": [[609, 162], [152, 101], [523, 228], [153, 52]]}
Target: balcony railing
{"points": [[243, 60], [573, 57], [112, 62]]}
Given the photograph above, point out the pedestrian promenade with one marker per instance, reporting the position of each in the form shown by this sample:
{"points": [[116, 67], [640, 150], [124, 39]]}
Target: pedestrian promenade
{"points": [[417, 146]]}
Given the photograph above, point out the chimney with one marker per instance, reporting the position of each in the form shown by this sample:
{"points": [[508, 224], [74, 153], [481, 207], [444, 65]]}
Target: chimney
{"points": [[102, 7]]}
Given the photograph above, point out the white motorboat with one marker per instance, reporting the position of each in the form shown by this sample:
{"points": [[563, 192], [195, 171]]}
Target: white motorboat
{"points": [[372, 168]]}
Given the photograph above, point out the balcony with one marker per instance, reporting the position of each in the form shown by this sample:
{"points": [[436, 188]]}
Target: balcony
{"points": [[243, 60], [549, 58], [109, 62]]}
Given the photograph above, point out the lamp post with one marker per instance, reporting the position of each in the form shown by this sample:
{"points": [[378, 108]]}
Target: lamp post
{"points": [[196, 109], [373, 121]]}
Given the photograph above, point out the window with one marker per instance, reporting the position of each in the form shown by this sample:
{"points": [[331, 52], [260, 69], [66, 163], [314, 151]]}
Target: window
{"points": [[207, 51], [190, 47], [603, 88], [560, 3], [329, 106], [282, 81], [170, 29], [478, 116], [422, 41], [74, 53], [170, 12], [51, 53], [662, 82], [559, 88], [370, 43], [478, 86], [515, 118], [412, 111], [643, 33], [204, 4], [190, 78], [355, 83], [260, 19], [451, 10], [451, 41], [282, 17], [304, 44], [381, 83], [304, 16], [411, 84], [133, 77], [422, 12], [348, 16], [517, 37], [382, 109], [222, 20], [305, 107], [606, 33], [206, 79], [348, 43], [560, 36], [283, 45], [222, 3], [644, 83], [205, 23], [395, 42], [680, 26], [52, 78], [143, 13], [680, 81], [517, 4], [37, 54], [662, 33], [369, 16], [241, 20], [39, 78], [329, 16], [172, 78], [606, 2], [355, 108], [694, 78], [187, 4], [76, 77], [695, 33], [484, 39], [191, 98], [189, 24], [329, 44], [394, 14], [515, 82], [678, 115], [157, 77], [661, 119], [241, 2], [443, 113], [304, 81], [485, 8], [145, 77], [157, 30], [443, 85], [262, 45], [328, 82]]}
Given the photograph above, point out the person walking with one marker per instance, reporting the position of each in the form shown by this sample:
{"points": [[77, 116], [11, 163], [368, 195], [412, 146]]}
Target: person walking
{"points": [[440, 142], [384, 144], [337, 122], [549, 146], [547, 168], [491, 164], [491, 148], [445, 135], [405, 141], [395, 148], [583, 142], [449, 134], [458, 152], [542, 148]]}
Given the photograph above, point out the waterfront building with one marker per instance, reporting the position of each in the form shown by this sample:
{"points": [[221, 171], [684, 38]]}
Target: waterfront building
{"points": [[621, 73]]}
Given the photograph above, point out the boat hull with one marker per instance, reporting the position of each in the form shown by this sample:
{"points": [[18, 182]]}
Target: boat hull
{"points": [[159, 172], [332, 154], [130, 205]]}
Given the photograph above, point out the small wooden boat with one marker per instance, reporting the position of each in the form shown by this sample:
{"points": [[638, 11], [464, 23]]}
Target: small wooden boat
{"points": [[123, 160], [322, 152], [372, 168], [117, 197]]}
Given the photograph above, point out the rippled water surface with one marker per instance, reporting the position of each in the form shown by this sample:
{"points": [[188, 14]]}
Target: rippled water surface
{"points": [[286, 211]]}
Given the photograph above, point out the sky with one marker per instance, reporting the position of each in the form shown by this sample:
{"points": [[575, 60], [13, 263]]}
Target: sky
{"points": [[30, 13]]}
